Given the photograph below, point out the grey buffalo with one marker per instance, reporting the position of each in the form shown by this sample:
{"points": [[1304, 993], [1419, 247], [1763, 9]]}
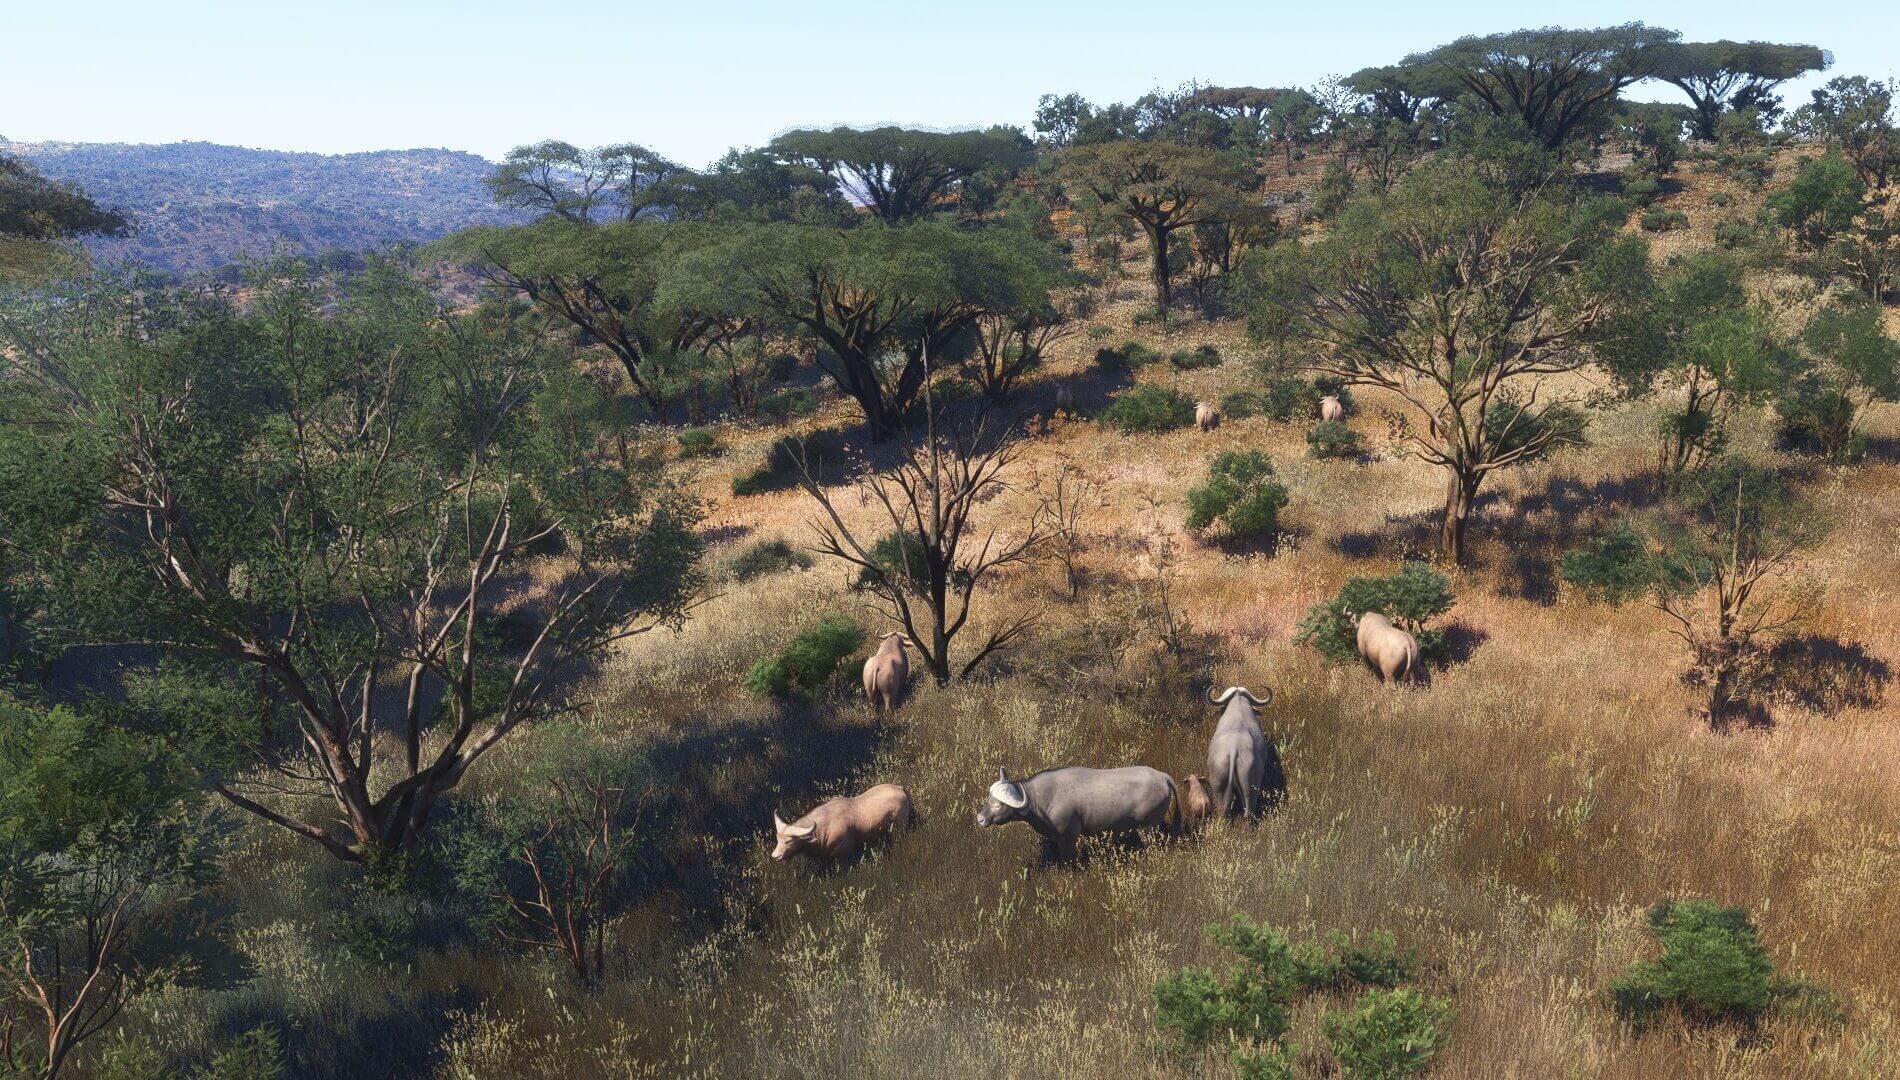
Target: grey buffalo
{"points": [[1392, 652], [1243, 768], [1064, 805]]}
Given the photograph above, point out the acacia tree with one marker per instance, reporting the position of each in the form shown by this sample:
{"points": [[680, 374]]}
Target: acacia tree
{"points": [[601, 280], [1852, 363], [901, 174], [37, 213], [1554, 82], [1459, 298], [557, 179], [929, 502], [1160, 187], [1716, 560], [876, 300], [1698, 335], [1721, 77], [1855, 115], [302, 510]]}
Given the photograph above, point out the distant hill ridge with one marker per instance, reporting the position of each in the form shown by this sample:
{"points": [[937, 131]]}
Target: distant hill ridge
{"points": [[200, 206]]}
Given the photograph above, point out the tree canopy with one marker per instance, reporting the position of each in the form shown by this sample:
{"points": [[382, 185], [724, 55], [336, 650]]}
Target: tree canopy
{"points": [[900, 173], [1726, 76]]}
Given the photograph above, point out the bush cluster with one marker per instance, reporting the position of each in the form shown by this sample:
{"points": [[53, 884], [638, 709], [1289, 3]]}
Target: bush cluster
{"points": [[1659, 219], [1713, 969], [1241, 495], [1389, 1032], [1332, 439], [698, 443], [806, 662], [1128, 356], [766, 557], [1410, 598], [1149, 408], [1204, 356]]}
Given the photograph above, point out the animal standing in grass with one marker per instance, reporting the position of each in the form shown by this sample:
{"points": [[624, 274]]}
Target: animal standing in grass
{"points": [[1196, 803], [886, 672], [1207, 415], [1392, 652], [1243, 768], [1064, 805], [1331, 409], [841, 827]]}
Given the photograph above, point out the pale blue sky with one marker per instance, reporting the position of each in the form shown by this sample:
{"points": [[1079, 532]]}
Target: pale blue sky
{"points": [[692, 79]]}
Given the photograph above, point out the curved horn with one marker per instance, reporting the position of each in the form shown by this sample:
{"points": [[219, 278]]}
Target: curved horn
{"points": [[778, 823], [1258, 702], [1225, 695]]}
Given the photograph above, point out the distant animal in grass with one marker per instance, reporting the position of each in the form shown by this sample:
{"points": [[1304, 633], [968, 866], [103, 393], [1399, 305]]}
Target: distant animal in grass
{"points": [[841, 827], [1244, 775], [1207, 415], [1331, 409], [1064, 805], [1392, 652], [1196, 804], [886, 672]]}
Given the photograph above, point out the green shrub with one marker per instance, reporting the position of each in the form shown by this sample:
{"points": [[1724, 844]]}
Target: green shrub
{"points": [[1342, 962], [1099, 331], [1614, 567], [1410, 598], [789, 404], [1332, 439], [808, 661], [253, 1055], [1287, 397], [698, 442], [1205, 356], [900, 557], [1272, 1063], [1642, 187], [1730, 235], [1658, 219], [1149, 408], [1241, 404], [1241, 495], [766, 557], [1253, 1002], [1129, 356], [821, 450], [1721, 198], [1388, 1035], [1712, 966]]}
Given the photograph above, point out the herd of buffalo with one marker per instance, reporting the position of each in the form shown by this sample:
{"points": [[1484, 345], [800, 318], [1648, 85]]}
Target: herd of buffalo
{"points": [[1063, 805]]}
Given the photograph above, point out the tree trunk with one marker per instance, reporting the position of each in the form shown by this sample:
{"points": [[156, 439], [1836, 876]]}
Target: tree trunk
{"points": [[1461, 493], [1158, 247]]}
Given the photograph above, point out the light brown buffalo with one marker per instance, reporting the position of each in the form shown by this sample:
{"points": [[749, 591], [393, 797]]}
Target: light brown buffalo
{"points": [[841, 827], [1207, 415], [1196, 803], [1330, 408], [886, 672], [1392, 652]]}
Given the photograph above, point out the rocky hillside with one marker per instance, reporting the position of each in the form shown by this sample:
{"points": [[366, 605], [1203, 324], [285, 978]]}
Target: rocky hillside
{"points": [[201, 206]]}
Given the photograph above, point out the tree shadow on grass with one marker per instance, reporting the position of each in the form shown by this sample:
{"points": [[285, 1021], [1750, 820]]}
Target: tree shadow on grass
{"points": [[1826, 675], [1543, 524]]}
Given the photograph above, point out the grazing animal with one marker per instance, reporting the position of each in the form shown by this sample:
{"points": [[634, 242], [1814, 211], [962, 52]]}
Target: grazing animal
{"points": [[1207, 415], [1243, 768], [1392, 652], [840, 827], [1065, 399], [1064, 805], [1196, 804], [1330, 408], [886, 672]]}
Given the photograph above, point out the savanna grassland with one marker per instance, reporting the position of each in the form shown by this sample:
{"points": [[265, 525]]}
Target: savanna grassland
{"points": [[1510, 822]]}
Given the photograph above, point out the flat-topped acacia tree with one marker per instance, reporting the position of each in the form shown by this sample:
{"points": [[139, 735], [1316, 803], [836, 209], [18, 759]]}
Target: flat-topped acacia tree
{"points": [[1160, 187], [875, 299], [312, 518], [901, 174], [1461, 298], [1721, 77]]}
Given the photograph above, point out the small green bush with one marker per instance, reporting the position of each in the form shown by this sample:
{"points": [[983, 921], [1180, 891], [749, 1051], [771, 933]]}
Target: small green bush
{"points": [[1149, 408], [808, 661], [1712, 966], [1099, 332], [1731, 235], [1642, 188], [1205, 356], [1241, 494], [1332, 439], [1241, 404], [698, 443], [766, 557], [1129, 356], [1658, 219], [1410, 598], [1721, 198], [1390, 1034], [1342, 962], [900, 558], [789, 404], [1272, 1063]]}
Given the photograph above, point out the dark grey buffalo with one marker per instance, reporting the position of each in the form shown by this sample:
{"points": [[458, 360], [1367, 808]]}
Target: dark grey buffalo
{"points": [[1064, 805], [1243, 768]]}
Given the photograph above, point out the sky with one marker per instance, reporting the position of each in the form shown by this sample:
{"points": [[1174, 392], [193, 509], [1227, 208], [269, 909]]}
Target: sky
{"points": [[692, 79]]}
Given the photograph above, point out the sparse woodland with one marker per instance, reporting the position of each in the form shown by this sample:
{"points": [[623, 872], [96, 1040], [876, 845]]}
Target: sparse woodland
{"points": [[404, 680]]}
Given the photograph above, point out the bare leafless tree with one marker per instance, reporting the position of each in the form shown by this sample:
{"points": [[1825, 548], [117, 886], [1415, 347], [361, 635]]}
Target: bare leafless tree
{"points": [[1068, 499], [573, 858], [944, 558]]}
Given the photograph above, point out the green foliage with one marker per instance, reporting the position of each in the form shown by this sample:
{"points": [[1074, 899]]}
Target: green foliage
{"points": [[1390, 1034], [1712, 966], [1149, 408], [1410, 598], [1658, 219], [822, 452], [1130, 356], [1203, 356], [903, 174], [766, 557], [698, 443], [1615, 567], [1241, 495], [1241, 404], [1271, 1063], [1332, 439], [806, 662], [1345, 961], [1821, 201], [1856, 363], [254, 1055], [788, 404]]}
